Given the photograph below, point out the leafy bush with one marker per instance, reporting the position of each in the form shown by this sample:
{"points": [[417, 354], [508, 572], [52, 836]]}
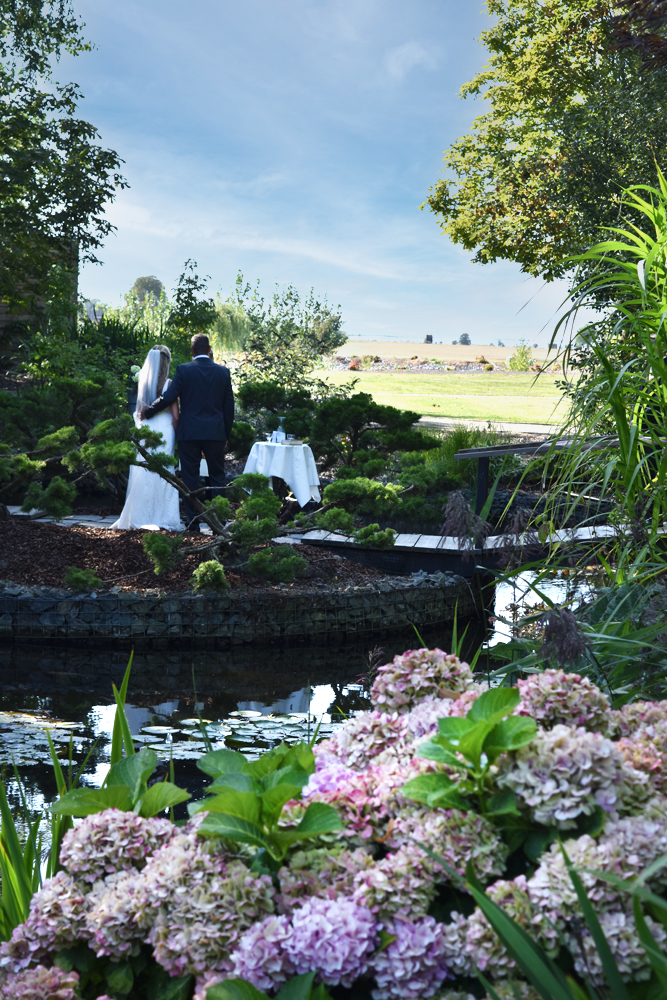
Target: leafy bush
{"points": [[221, 506], [241, 439], [363, 495], [279, 564], [374, 538], [210, 575], [249, 533], [81, 580], [161, 550], [55, 501], [522, 358], [335, 519]]}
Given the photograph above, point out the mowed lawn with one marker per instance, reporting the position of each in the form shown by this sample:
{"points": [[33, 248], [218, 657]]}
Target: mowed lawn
{"points": [[513, 396]]}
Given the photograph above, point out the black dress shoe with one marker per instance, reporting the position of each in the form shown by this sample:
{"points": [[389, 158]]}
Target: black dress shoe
{"points": [[192, 531]]}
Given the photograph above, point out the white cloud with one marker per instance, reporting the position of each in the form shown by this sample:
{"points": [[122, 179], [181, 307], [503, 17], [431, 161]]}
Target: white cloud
{"points": [[399, 61]]}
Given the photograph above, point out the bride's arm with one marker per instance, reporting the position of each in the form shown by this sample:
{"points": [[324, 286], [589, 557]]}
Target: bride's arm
{"points": [[174, 414]]}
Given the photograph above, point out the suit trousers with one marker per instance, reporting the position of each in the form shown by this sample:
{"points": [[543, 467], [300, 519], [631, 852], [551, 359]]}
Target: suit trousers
{"points": [[190, 455]]}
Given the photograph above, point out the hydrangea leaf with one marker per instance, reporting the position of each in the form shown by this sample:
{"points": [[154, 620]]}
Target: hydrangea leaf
{"points": [[219, 762], [433, 750], [161, 796], [494, 705], [286, 776], [162, 986], [503, 804], [509, 734], [318, 818], [274, 799], [297, 988], [120, 977], [235, 989], [434, 789], [233, 828], [244, 805], [86, 801], [241, 782], [454, 728], [133, 772]]}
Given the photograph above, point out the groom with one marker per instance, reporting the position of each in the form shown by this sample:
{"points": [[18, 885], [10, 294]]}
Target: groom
{"points": [[207, 416]]}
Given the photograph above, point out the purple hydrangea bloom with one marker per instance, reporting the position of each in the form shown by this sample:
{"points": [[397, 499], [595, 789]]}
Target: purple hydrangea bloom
{"points": [[56, 919], [260, 956], [415, 964], [334, 937], [417, 674], [553, 697], [328, 776], [41, 983], [111, 841]]}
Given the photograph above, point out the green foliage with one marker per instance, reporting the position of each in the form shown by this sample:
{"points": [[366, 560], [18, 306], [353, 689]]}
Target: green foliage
{"points": [[246, 799], [571, 121], [241, 439], [279, 564], [82, 580], [341, 427], [258, 501], [249, 533], [221, 506], [191, 313], [472, 745], [54, 501], [125, 787], [335, 519], [299, 988], [161, 550], [210, 575], [372, 537], [148, 287], [625, 390], [522, 358], [231, 329], [134, 976], [363, 495]]}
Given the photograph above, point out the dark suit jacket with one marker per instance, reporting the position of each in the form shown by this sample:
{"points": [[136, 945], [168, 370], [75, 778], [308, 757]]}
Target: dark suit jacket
{"points": [[207, 401]]}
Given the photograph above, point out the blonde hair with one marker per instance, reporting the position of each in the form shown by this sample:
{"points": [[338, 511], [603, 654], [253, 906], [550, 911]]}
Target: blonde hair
{"points": [[163, 370]]}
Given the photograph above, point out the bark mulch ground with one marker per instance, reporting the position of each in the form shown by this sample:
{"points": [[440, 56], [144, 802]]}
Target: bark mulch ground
{"points": [[38, 554]]}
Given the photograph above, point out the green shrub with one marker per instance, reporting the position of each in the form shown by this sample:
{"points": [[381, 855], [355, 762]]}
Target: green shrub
{"points": [[258, 501], [363, 495], [161, 551], [221, 506], [335, 519], [54, 501], [82, 579], [374, 538], [522, 358], [210, 575], [249, 533], [242, 438], [279, 565]]}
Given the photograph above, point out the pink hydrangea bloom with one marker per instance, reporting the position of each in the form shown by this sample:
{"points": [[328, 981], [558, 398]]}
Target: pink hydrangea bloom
{"points": [[422, 720], [329, 774], [365, 736], [415, 964], [260, 956], [335, 937], [41, 983], [620, 931], [457, 837], [56, 919], [111, 907], [566, 772], [552, 697], [399, 883], [322, 872], [642, 716], [204, 982], [110, 841], [417, 674]]}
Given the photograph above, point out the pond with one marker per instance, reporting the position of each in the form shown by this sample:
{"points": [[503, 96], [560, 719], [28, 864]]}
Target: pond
{"points": [[250, 699]]}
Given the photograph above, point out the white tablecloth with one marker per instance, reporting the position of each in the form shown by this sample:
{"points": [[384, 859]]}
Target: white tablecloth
{"points": [[292, 462]]}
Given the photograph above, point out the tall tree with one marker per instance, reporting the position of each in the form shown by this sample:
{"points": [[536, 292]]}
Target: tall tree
{"points": [[55, 180], [573, 118]]}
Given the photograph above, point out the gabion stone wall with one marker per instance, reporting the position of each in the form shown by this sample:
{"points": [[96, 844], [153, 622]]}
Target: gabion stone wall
{"points": [[276, 616]]}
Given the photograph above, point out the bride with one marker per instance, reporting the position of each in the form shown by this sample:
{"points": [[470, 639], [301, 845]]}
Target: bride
{"points": [[150, 502]]}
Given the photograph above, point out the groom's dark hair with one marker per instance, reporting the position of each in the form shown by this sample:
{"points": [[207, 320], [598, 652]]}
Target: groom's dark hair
{"points": [[200, 344]]}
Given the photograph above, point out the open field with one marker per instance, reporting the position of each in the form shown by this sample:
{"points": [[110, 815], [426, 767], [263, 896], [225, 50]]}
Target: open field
{"points": [[513, 396], [450, 353]]}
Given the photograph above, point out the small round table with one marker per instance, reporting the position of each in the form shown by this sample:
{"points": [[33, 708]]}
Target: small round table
{"points": [[294, 463]]}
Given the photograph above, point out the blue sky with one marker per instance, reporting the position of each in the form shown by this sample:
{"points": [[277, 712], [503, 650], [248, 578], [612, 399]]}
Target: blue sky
{"points": [[295, 140]]}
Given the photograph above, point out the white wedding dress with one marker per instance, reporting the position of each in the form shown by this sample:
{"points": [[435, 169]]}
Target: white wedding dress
{"points": [[150, 502]]}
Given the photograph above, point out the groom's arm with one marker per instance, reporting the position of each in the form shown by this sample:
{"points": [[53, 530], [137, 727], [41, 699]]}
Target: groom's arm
{"points": [[166, 399], [228, 405]]}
